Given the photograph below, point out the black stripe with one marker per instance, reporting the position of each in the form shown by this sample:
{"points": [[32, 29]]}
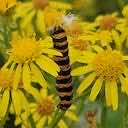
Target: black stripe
{"points": [[64, 81], [62, 62], [65, 53], [64, 106], [59, 40], [64, 89], [65, 72], [61, 47], [67, 98]]}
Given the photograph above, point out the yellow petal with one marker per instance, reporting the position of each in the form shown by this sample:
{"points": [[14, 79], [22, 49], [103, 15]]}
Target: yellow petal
{"points": [[11, 69], [114, 94], [41, 122], [125, 71], [86, 82], [16, 102], [123, 84], [17, 76], [6, 64], [43, 93], [48, 65], [108, 93], [40, 21], [116, 38], [125, 57], [24, 102], [62, 124], [38, 76], [28, 20], [4, 102], [86, 58], [96, 89], [18, 120], [97, 48], [22, 9], [60, 5], [33, 91], [26, 75], [36, 116], [71, 115], [81, 70], [51, 52]]}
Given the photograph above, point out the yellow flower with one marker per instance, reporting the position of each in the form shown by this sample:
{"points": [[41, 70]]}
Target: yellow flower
{"points": [[107, 32], [10, 95], [122, 27], [77, 47], [76, 31], [28, 57], [35, 10], [6, 4], [104, 66], [125, 11], [43, 110]]}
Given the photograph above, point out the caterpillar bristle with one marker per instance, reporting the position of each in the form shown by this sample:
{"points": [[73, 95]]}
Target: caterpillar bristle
{"points": [[64, 78]]}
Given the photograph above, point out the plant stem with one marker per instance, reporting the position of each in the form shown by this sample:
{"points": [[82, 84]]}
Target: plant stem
{"points": [[56, 118]]}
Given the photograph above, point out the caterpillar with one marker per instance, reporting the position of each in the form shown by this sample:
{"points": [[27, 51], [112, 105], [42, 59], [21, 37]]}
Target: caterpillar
{"points": [[64, 78]]}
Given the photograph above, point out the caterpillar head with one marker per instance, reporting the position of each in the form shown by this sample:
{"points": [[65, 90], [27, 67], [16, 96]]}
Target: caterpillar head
{"points": [[55, 20]]}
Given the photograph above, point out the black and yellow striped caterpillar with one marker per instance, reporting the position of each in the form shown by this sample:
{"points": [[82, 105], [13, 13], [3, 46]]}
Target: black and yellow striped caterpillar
{"points": [[64, 78]]}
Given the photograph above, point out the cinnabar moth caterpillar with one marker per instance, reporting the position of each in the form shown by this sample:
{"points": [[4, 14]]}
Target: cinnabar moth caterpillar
{"points": [[64, 78]]}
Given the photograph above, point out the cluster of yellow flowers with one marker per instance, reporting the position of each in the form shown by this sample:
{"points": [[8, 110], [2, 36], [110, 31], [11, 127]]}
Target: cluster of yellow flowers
{"points": [[97, 48]]}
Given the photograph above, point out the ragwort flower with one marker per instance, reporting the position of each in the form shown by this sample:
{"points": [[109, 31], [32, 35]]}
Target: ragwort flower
{"points": [[27, 57], [43, 110], [103, 66], [10, 95], [35, 10]]}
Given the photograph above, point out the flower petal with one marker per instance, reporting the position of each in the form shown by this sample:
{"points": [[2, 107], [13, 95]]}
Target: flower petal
{"points": [[108, 93], [125, 57], [16, 101], [26, 75], [41, 122], [71, 115], [86, 83], [26, 21], [40, 21], [43, 93], [114, 94], [4, 102], [38, 76], [52, 52], [48, 65], [81, 70], [17, 76], [62, 124], [97, 48], [96, 89]]}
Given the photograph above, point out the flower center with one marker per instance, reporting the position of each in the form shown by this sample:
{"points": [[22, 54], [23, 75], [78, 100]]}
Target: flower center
{"points": [[108, 22], [5, 79], [40, 4], [25, 50], [45, 107], [108, 64], [80, 44]]}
